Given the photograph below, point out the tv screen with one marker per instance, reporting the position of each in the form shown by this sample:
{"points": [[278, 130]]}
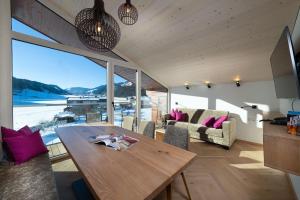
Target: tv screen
{"points": [[285, 72]]}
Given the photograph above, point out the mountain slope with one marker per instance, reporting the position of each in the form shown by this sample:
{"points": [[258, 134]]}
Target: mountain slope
{"points": [[24, 84], [24, 87], [122, 89], [77, 90]]}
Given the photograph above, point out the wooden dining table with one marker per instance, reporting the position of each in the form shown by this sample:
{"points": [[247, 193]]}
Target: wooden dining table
{"points": [[139, 172]]}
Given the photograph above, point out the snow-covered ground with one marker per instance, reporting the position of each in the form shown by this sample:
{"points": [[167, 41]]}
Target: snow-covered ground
{"points": [[33, 115], [32, 108]]}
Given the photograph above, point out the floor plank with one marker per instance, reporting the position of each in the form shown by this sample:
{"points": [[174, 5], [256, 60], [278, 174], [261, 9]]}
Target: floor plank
{"points": [[216, 173]]}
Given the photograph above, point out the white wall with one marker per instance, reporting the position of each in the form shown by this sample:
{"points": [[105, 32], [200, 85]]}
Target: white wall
{"points": [[230, 98], [286, 105]]}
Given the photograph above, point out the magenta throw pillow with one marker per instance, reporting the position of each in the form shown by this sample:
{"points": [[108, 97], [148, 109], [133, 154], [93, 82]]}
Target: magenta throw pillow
{"points": [[178, 115], [219, 121], [181, 117], [208, 122], [7, 132], [25, 130], [24, 147], [173, 114]]}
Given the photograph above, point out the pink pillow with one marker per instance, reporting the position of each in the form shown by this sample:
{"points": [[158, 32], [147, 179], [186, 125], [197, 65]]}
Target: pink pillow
{"points": [[178, 115], [25, 130], [219, 122], [25, 147], [208, 122], [7, 132], [173, 114], [181, 117]]}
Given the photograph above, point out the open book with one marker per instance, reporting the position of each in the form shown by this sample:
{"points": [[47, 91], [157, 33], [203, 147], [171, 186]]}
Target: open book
{"points": [[116, 142]]}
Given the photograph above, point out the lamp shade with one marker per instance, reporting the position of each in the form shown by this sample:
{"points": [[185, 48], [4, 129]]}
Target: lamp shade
{"points": [[96, 29], [128, 13]]}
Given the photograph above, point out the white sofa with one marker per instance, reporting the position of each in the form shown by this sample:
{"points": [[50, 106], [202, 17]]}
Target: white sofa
{"points": [[225, 136]]}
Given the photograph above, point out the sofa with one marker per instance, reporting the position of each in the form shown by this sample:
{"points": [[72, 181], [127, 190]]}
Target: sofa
{"points": [[224, 136]]}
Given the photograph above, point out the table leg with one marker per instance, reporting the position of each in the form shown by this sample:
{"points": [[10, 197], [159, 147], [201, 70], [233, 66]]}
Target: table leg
{"points": [[186, 186], [169, 192]]}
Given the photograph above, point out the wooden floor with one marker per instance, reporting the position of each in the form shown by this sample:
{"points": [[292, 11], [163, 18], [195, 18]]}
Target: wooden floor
{"points": [[215, 174]]}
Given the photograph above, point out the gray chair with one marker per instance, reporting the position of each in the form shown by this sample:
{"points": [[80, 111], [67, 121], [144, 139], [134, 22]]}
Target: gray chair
{"points": [[147, 128], [127, 122], [178, 137]]}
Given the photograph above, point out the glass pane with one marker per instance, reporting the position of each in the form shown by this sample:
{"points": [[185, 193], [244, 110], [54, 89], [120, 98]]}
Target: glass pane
{"points": [[124, 96], [22, 28], [154, 100], [55, 89]]}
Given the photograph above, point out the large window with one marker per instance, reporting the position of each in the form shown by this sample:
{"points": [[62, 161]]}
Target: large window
{"points": [[52, 88], [154, 100], [124, 94]]}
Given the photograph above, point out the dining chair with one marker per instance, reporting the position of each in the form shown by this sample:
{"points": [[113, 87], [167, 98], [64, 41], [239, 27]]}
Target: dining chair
{"points": [[147, 128], [178, 137], [128, 122]]}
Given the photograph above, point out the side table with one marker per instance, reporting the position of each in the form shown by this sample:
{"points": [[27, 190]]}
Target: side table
{"points": [[159, 134]]}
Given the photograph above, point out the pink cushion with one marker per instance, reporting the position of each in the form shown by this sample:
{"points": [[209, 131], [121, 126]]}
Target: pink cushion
{"points": [[25, 147], [173, 114], [7, 132], [178, 115], [181, 117], [219, 121], [25, 130], [208, 122]]}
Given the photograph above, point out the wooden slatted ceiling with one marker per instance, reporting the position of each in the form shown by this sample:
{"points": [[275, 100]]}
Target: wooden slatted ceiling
{"points": [[197, 40]]}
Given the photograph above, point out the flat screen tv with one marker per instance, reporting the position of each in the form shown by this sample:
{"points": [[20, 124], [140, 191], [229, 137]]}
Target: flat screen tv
{"points": [[284, 68]]}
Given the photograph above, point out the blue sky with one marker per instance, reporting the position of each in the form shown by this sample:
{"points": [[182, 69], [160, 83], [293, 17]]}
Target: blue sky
{"points": [[52, 66]]}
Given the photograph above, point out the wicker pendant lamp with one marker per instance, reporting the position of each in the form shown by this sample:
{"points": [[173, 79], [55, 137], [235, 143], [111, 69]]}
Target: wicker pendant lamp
{"points": [[128, 13], [96, 29]]}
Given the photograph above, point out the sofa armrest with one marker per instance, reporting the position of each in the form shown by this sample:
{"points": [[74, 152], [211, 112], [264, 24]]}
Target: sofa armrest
{"points": [[229, 131], [166, 117]]}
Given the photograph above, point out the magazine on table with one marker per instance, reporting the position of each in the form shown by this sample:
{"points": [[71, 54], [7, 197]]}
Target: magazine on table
{"points": [[117, 142]]}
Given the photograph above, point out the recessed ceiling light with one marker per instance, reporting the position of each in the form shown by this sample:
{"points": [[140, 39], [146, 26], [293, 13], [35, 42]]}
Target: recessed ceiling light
{"points": [[208, 84], [187, 86]]}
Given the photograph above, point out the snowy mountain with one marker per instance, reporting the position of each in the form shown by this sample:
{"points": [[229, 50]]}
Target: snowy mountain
{"points": [[78, 90], [26, 92], [19, 85], [27, 89], [122, 89], [32, 94]]}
